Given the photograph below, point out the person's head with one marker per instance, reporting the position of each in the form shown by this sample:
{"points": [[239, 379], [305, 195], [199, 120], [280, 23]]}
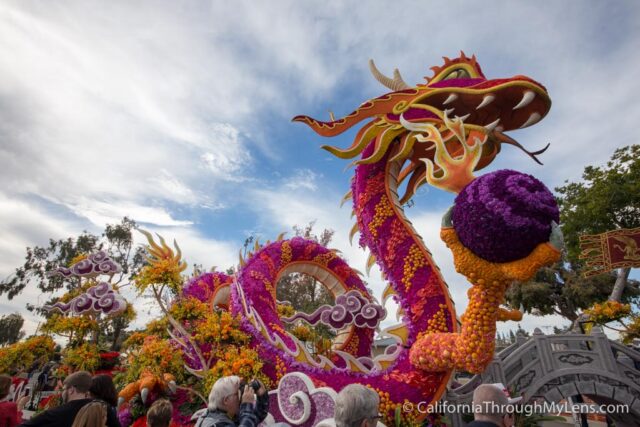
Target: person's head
{"points": [[159, 414], [102, 388], [490, 403], [76, 386], [93, 414], [357, 406], [225, 395], [5, 386]]}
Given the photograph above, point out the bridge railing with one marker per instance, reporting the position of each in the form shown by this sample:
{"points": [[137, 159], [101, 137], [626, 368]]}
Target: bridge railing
{"points": [[542, 355]]}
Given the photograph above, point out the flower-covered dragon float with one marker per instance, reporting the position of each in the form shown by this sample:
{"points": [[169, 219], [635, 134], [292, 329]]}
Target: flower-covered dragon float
{"points": [[501, 228]]}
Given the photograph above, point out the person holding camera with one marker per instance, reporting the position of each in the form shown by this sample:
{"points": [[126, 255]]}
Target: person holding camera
{"points": [[235, 403]]}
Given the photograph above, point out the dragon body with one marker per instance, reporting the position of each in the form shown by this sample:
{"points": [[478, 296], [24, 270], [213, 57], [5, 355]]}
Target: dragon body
{"points": [[440, 133], [410, 137]]}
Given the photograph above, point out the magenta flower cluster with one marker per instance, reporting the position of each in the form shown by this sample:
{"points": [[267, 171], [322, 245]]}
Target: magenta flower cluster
{"points": [[502, 216]]}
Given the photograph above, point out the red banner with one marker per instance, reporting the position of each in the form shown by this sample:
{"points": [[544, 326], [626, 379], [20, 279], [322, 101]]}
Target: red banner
{"points": [[613, 249]]}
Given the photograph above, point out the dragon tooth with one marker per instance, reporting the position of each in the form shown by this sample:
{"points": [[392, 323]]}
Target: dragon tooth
{"points": [[527, 97], [533, 118], [447, 112], [492, 125], [370, 261], [463, 118], [488, 99], [452, 97]]}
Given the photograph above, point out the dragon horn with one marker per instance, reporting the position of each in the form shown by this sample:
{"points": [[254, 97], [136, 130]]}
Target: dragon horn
{"points": [[396, 83]]}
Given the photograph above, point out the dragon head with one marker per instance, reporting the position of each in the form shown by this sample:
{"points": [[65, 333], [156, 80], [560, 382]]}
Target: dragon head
{"points": [[458, 106]]}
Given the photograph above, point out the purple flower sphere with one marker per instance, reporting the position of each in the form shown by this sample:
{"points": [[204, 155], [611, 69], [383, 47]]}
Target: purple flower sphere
{"points": [[503, 215]]}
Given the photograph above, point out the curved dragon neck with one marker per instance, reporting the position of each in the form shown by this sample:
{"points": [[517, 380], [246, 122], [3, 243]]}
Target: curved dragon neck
{"points": [[402, 256]]}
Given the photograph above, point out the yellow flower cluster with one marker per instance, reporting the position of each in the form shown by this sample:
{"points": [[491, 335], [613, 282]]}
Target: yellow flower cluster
{"points": [[608, 311], [413, 261], [157, 356], [243, 362], [22, 354], [325, 259], [164, 271], [281, 368], [63, 325], [136, 339], [438, 323], [189, 309], [85, 357], [383, 211], [632, 331], [388, 409], [285, 310], [302, 332], [219, 327], [157, 327], [285, 257]]}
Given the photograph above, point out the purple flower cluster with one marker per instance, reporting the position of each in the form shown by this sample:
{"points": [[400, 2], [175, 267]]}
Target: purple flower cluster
{"points": [[502, 216], [203, 286]]}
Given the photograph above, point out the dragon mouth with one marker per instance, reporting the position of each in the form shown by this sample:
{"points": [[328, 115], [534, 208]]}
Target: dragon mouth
{"points": [[494, 105]]}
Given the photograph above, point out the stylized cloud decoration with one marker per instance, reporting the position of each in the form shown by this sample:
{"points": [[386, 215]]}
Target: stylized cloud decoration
{"points": [[100, 298], [94, 265], [299, 402], [351, 308]]}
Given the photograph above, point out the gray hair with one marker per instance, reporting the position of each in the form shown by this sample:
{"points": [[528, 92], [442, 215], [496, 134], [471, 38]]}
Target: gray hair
{"points": [[354, 403], [224, 387], [489, 403]]}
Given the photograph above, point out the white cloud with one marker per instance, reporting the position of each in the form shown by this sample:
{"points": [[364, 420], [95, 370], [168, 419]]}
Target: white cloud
{"points": [[112, 108], [102, 213], [30, 226], [303, 179]]}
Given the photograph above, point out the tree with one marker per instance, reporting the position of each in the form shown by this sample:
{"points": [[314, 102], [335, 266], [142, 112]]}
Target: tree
{"points": [[561, 290], [116, 241], [607, 198], [10, 328]]}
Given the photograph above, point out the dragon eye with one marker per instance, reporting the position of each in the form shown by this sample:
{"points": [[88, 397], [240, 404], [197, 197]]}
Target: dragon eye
{"points": [[459, 73]]}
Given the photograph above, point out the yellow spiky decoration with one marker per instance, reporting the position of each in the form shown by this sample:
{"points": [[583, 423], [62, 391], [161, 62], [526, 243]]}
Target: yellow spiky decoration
{"points": [[164, 266]]}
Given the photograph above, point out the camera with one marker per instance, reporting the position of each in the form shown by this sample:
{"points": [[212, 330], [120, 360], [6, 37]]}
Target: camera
{"points": [[254, 384]]}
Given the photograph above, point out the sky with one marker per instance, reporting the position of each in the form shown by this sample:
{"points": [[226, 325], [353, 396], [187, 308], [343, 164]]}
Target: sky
{"points": [[178, 114]]}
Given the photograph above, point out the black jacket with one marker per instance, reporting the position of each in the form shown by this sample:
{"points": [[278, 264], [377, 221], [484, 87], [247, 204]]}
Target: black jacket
{"points": [[63, 415], [482, 424]]}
